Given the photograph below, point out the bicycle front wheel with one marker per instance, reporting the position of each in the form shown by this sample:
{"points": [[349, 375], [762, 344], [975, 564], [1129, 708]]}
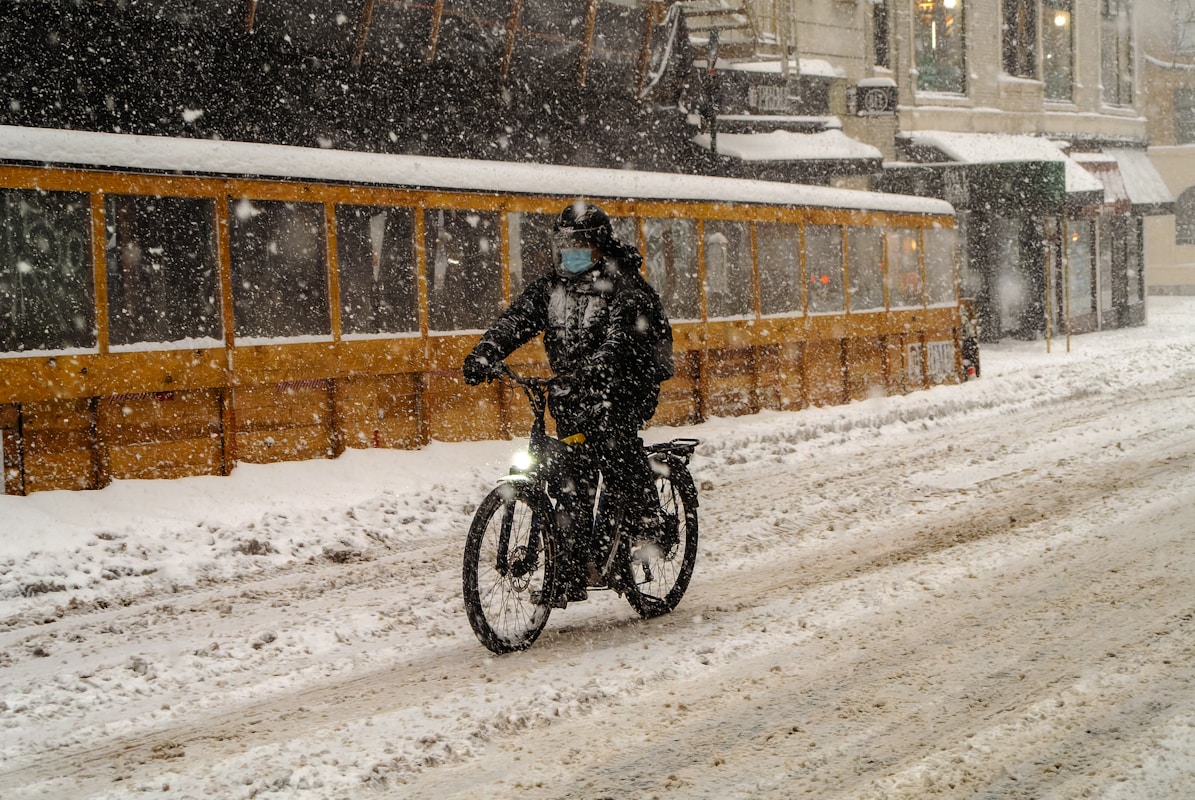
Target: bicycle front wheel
{"points": [[508, 570], [657, 565]]}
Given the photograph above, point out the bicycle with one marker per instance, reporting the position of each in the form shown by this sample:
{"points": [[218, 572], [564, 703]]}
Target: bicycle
{"points": [[510, 559]]}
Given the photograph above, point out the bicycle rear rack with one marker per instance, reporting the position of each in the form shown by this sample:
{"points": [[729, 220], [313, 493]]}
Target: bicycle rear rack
{"points": [[683, 447]]}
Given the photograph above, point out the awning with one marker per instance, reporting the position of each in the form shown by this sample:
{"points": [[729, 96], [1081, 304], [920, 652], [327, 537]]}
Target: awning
{"points": [[786, 155], [1105, 168], [831, 145], [1146, 189], [1006, 148]]}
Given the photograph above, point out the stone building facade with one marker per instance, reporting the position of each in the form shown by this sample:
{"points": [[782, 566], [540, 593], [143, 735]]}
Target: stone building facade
{"points": [[1168, 55], [1035, 128]]}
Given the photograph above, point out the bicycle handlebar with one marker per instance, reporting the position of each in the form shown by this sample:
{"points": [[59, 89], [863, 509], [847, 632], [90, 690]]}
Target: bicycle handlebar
{"points": [[526, 381]]}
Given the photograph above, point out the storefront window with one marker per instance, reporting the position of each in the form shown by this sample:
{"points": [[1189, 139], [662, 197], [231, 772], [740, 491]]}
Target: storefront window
{"points": [[1058, 54], [672, 265], [939, 246], [865, 267], [778, 246], [464, 283], [161, 263], [1081, 242], [379, 289], [279, 274], [1012, 287], [729, 290], [1134, 271], [1104, 260], [904, 268], [47, 297], [823, 262], [939, 46]]}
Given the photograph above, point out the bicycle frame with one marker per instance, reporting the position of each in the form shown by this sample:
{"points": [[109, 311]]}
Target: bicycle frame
{"points": [[547, 454], [545, 451]]}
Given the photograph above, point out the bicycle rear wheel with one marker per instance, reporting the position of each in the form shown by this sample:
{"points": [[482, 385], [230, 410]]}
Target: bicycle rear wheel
{"points": [[508, 569], [656, 566]]}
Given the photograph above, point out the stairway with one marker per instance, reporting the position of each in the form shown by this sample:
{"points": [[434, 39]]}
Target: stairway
{"points": [[730, 18]]}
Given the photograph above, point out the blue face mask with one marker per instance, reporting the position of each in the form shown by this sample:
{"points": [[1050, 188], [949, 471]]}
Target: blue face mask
{"points": [[576, 260]]}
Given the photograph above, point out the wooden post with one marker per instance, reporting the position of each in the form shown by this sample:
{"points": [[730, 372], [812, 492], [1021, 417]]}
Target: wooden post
{"points": [[100, 458], [587, 42], [228, 430], [512, 27], [363, 24], [434, 37], [99, 263]]}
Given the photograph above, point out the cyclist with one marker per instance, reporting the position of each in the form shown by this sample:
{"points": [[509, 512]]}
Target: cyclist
{"points": [[609, 343]]}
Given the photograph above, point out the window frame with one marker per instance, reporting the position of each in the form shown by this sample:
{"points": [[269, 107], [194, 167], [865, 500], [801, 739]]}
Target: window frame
{"points": [[955, 64], [1184, 115], [1117, 76], [881, 34], [403, 300], [836, 281], [249, 311], [1058, 51], [680, 292], [161, 297], [1184, 218], [475, 315], [898, 295], [739, 295], [793, 300], [74, 249], [1019, 37], [863, 275]]}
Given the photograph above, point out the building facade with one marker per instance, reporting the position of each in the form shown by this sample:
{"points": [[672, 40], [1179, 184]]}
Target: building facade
{"points": [[1168, 55], [1034, 128]]}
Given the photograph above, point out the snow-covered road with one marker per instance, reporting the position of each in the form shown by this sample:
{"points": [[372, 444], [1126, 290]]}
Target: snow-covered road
{"points": [[978, 591]]}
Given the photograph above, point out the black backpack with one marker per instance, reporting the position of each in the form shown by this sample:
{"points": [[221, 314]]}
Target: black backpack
{"points": [[661, 329], [663, 364]]}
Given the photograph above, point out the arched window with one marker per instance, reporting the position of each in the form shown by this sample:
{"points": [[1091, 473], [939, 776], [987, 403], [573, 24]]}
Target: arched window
{"points": [[1184, 218]]}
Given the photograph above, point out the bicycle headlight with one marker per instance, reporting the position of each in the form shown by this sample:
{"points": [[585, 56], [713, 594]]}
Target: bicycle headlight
{"points": [[521, 460]]}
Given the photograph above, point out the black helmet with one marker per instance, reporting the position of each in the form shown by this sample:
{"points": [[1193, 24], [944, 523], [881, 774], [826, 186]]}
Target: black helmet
{"points": [[585, 223]]}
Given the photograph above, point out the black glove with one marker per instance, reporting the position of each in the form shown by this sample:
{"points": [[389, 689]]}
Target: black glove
{"points": [[561, 384], [478, 368]]}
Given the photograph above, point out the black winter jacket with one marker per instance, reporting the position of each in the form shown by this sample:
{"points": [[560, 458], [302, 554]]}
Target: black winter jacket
{"points": [[605, 331]]}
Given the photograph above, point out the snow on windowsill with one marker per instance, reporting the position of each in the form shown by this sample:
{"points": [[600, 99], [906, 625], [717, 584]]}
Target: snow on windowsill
{"points": [[64, 352], [260, 341], [369, 337], [205, 343]]}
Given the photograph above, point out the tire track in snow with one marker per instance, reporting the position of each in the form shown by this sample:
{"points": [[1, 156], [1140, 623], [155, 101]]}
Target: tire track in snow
{"points": [[864, 545]]}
